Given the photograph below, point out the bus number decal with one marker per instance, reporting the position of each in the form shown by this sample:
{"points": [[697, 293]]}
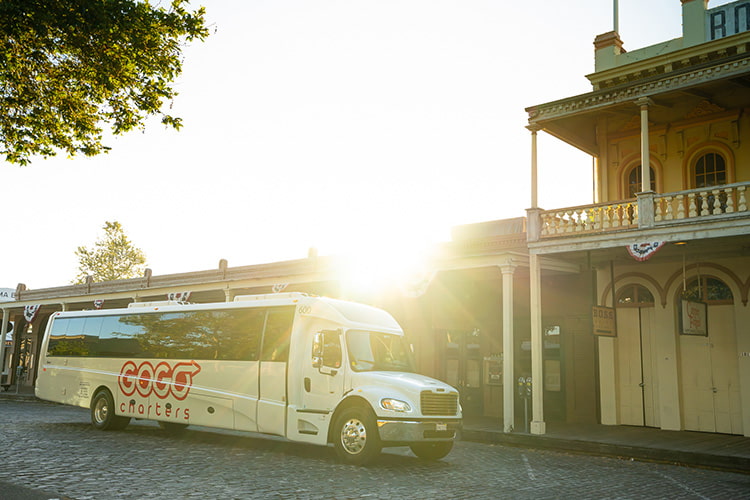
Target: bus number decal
{"points": [[161, 381]]}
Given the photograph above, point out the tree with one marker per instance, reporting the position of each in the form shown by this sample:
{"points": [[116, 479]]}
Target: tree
{"points": [[113, 257], [67, 68]]}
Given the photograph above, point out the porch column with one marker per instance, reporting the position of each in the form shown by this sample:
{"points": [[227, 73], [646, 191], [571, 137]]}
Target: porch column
{"points": [[538, 425], [644, 103], [534, 128], [508, 365], [3, 327]]}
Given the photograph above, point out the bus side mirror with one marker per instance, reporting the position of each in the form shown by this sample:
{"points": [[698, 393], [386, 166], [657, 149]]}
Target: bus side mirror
{"points": [[326, 351], [317, 350]]}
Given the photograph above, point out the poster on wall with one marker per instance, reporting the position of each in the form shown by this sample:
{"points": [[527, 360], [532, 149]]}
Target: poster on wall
{"points": [[604, 321], [693, 318]]}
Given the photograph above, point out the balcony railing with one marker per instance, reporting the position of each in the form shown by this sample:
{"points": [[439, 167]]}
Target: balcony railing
{"points": [[589, 218], [695, 203], [649, 210]]}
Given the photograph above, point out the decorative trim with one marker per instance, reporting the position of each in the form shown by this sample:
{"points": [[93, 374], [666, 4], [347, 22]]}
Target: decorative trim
{"points": [[705, 107], [630, 92]]}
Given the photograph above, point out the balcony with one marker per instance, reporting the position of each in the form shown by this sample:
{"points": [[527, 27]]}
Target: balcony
{"points": [[715, 204]]}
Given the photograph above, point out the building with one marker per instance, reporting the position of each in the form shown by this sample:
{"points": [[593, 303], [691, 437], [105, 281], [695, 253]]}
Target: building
{"points": [[629, 311], [667, 243]]}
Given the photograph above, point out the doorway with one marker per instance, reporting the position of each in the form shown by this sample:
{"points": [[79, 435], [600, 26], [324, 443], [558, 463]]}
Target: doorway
{"points": [[636, 355], [709, 367], [463, 367]]}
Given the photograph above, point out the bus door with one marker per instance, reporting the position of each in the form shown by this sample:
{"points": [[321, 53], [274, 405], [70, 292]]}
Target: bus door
{"points": [[323, 377], [274, 357]]}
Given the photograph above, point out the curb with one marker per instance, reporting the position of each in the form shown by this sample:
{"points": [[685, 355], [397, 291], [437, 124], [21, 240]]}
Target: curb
{"points": [[660, 455]]}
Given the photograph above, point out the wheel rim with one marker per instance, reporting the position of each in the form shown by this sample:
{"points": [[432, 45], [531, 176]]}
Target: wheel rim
{"points": [[101, 410], [353, 436]]}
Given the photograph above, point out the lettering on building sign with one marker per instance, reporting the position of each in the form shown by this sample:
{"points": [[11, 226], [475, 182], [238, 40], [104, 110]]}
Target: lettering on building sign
{"points": [[604, 320], [7, 294], [727, 20]]}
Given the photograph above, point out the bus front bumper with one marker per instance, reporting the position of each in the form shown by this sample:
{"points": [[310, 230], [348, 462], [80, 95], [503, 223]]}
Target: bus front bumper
{"points": [[406, 431]]}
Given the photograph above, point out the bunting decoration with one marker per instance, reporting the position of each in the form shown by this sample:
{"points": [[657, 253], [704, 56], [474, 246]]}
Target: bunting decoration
{"points": [[416, 285], [179, 296], [98, 303], [644, 251], [30, 312]]}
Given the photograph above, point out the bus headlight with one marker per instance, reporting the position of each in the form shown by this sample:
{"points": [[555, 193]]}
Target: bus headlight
{"points": [[394, 405]]}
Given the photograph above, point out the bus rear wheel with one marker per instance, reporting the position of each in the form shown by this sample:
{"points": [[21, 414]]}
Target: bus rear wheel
{"points": [[432, 451], [103, 415], [356, 438]]}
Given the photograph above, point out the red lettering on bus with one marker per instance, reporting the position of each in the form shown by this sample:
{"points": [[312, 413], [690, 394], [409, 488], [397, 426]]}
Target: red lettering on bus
{"points": [[161, 381]]}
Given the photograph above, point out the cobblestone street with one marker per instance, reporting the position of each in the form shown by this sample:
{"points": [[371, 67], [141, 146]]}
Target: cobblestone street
{"points": [[53, 448]]}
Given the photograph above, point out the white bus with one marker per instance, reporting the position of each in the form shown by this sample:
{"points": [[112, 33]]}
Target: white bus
{"points": [[310, 369]]}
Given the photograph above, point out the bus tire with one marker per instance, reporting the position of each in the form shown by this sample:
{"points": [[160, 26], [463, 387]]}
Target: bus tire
{"points": [[355, 437], [103, 415], [432, 451], [172, 428]]}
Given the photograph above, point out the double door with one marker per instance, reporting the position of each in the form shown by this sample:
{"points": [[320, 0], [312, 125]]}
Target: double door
{"points": [[710, 376], [637, 367]]}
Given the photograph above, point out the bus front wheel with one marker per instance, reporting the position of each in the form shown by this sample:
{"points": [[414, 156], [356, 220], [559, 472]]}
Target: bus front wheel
{"points": [[356, 438], [103, 415]]}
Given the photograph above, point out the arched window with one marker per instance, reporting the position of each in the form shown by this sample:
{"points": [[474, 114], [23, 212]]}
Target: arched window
{"points": [[635, 296], [709, 290], [634, 181], [710, 170]]}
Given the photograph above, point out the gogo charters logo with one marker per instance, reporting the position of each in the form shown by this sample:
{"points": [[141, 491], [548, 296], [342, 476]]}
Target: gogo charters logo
{"points": [[161, 380]]}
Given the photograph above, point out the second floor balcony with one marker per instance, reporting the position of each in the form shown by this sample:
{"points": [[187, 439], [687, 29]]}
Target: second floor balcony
{"points": [[718, 207]]}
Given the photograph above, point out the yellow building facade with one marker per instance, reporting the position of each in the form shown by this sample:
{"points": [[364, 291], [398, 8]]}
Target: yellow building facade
{"points": [[668, 239]]}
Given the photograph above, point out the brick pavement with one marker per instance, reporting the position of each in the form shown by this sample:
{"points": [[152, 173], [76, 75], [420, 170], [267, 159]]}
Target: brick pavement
{"points": [[53, 448]]}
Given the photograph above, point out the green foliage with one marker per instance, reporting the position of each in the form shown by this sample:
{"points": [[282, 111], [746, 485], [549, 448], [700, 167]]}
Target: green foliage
{"points": [[68, 67], [113, 257]]}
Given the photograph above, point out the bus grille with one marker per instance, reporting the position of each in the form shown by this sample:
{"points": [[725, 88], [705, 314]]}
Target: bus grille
{"points": [[439, 404]]}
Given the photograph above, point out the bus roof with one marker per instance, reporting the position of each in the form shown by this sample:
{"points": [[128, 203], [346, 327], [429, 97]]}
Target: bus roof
{"points": [[353, 313]]}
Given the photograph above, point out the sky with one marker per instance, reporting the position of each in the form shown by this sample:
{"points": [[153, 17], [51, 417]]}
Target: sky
{"points": [[355, 127]]}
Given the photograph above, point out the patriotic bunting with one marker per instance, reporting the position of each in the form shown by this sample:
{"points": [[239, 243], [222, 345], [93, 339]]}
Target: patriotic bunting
{"points": [[644, 251], [179, 296], [30, 312]]}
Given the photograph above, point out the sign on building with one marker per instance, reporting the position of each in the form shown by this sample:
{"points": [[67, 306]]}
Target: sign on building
{"points": [[604, 321], [693, 318], [7, 294], [727, 20]]}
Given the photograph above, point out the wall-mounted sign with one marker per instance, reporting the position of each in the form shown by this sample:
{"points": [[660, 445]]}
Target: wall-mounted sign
{"points": [[604, 321], [7, 294], [727, 20], [693, 318]]}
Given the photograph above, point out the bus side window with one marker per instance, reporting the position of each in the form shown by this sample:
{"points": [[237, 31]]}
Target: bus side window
{"points": [[332, 349], [277, 334], [240, 333]]}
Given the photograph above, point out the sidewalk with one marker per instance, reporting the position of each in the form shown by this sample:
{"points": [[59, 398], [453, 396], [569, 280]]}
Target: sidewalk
{"points": [[695, 449]]}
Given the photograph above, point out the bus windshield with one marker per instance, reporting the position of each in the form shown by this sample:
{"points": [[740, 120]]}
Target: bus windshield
{"points": [[377, 351]]}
